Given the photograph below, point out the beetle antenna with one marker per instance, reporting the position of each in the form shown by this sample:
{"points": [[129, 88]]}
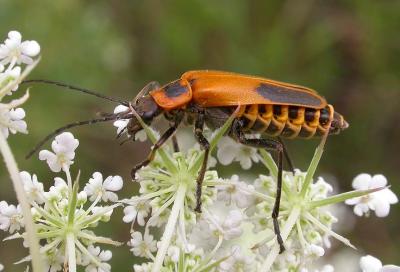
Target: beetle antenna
{"points": [[71, 125], [67, 86]]}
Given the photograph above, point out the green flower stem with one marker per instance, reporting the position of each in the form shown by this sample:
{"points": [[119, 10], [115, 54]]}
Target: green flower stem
{"points": [[13, 170], [71, 252], [342, 197], [170, 227], [287, 228], [73, 201], [313, 166]]}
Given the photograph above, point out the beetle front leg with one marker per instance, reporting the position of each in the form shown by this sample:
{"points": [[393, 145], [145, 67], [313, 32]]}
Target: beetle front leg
{"points": [[269, 145], [167, 134], [205, 145]]}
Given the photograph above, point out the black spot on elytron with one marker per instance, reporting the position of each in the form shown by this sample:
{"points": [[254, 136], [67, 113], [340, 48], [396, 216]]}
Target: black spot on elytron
{"points": [[293, 112], [175, 89], [281, 94], [324, 117], [309, 115]]}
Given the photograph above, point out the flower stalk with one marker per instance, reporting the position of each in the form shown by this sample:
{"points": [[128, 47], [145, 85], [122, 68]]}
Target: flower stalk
{"points": [[12, 168], [170, 227]]}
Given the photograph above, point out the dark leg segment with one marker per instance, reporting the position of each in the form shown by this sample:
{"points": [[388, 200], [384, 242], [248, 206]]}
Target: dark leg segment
{"points": [[205, 145], [286, 154], [175, 143], [269, 145], [167, 134]]}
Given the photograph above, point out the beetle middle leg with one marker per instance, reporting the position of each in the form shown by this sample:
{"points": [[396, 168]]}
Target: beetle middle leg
{"points": [[167, 134], [237, 130], [205, 145]]}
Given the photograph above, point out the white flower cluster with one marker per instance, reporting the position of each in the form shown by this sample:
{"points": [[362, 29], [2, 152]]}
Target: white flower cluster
{"points": [[13, 54], [235, 230], [64, 216]]}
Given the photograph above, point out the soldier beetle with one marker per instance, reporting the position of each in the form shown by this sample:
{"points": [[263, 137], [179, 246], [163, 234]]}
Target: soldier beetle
{"points": [[274, 109]]}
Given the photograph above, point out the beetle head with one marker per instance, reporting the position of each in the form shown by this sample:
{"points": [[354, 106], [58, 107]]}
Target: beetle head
{"points": [[338, 124], [147, 109]]}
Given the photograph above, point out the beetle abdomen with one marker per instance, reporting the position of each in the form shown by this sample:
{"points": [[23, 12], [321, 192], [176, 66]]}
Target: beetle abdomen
{"points": [[286, 121]]}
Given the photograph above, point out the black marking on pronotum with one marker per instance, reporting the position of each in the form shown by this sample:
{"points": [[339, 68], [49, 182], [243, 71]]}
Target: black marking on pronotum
{"points": [[175, 89], [279, 94]]}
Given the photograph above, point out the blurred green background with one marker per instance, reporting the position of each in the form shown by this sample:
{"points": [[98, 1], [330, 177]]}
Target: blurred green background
{"points": [[347, 50]]}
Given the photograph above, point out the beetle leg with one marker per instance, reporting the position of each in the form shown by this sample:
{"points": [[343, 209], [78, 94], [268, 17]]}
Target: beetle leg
{"points": [[175, 143], [286, 155], [167, 134], [204, 144], [269, 145]]}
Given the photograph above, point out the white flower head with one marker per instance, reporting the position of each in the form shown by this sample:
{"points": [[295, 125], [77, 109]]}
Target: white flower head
{"points": [[379, 201], [63, 147], [236, 192], [142, 246], [104, 189], [33, 188], [229, 151], [15, 51], [238, 261], [369, 263], [138, 209], [11, 120], [9, 75], [11, 219], [102, 257], [121, 125]]}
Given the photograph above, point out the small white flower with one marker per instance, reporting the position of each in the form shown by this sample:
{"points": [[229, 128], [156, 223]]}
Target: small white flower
{"points": [[174, 252], [102, 257], [235, 193], [369, 263], [144, 267], [1, 267], [12, 120], [122, 124], [314, 251], [142, 246], [10, 75], [237, 262], [229, 151], [229, 227], [33, 188], [13, 50], [10, 217], [97, 188], [63, 147], [378, 201], [138, 209]]}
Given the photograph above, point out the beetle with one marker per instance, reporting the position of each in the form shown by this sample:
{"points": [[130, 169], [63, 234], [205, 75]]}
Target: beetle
{"points": [[206, 97]]}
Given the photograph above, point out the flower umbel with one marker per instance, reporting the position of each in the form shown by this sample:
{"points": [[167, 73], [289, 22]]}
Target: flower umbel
{"points": [[65, 217]]}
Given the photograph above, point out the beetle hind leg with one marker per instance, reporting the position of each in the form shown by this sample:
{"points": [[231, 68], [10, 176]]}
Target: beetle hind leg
{"points": [[205, 145], [286, 155], [237, 130]]}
